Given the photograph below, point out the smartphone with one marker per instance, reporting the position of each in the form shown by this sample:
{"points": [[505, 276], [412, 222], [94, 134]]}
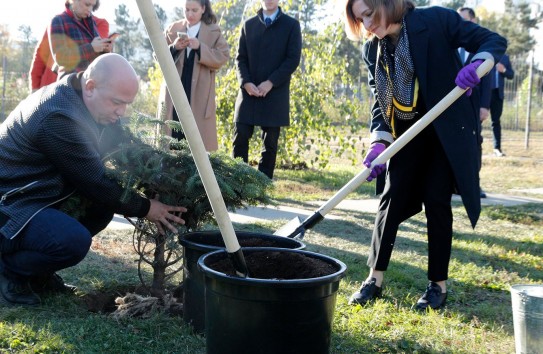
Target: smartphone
{"points": [[114, 35], [182, 35]]}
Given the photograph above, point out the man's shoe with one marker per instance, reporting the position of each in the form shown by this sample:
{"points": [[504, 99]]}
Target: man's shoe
{"points": [[369, 291], [51, 283], [482, 192], [432, 298], [17, 293], [498, 153]]}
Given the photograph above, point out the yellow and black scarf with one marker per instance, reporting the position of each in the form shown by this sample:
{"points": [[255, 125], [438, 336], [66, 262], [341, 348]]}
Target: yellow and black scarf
{"points": [[396, 84]]}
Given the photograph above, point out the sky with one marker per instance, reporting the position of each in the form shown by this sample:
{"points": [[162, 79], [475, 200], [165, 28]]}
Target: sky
{"points": [[38, 13]]}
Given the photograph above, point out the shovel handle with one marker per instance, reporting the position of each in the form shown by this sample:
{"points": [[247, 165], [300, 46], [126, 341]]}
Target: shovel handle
{"points": [[399, 143], [192, 133]]}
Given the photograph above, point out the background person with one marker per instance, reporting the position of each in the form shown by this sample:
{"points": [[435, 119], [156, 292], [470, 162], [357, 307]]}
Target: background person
{"points": [[74, 38], [412, 61], [498, 74], [197, 57], [50, 147], [269, 52], [481, 93], [41, 68]]}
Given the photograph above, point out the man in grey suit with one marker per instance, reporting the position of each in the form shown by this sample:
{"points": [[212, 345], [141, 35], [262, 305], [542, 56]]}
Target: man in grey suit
{"points": [[269, 52]]}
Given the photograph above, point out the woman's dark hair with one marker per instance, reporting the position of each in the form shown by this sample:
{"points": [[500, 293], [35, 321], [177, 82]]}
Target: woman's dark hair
{"points": [[208, 17], [392, 10]]}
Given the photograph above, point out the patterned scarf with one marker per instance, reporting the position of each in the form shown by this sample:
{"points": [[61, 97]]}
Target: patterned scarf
{"points": [[397, 86]]}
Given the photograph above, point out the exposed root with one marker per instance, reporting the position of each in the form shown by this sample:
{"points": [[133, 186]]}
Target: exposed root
{"points": [[137, 306]]}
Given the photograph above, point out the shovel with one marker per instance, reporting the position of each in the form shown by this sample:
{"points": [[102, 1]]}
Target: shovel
{"points": [[295, 228], [192, 134]]}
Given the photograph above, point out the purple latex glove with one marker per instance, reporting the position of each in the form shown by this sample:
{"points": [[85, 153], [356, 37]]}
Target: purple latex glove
{"points": [[375, 150], [467, 77]]}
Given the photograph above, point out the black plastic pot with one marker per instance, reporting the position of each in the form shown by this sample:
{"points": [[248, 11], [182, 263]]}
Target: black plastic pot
{"points": [[197, 243], [269, 316]]}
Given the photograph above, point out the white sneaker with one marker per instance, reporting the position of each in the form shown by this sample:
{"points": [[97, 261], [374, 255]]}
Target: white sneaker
{"points": [[498, 153]]}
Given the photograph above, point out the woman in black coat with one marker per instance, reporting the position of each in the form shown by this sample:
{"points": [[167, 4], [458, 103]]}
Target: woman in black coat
{"points": [[412, 60]]}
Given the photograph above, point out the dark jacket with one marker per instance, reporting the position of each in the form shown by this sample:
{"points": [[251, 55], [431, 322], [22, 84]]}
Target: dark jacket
{"points": [[434, 35], [267, 53], [50, 145], [509, 74]]}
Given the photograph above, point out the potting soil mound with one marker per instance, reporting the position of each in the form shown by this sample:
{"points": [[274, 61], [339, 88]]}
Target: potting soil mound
{"points": [[278, 265]]}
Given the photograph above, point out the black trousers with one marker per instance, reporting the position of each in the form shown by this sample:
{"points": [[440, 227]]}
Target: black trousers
{"points": [[496, 109], [268, 155], [419, 174]]}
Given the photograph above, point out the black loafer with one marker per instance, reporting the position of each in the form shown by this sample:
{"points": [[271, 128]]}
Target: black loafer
{"points": [[17, 293], [369, 291], [432, 298], [51, 283]]}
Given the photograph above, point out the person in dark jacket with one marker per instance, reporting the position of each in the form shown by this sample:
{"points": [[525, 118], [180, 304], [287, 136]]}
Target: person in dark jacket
{"points": [[481, 93], [412, 61], [503, 70], [269, 52], [51, 146]]}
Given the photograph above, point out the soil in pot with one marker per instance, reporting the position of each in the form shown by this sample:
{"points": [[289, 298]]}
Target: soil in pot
{"points": [[278, 265]]}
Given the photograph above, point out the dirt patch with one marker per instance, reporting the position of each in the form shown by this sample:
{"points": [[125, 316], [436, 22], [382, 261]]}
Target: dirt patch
{"points": [[278, 265]]}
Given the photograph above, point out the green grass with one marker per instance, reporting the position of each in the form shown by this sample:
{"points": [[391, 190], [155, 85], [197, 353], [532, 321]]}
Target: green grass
{"points": [[506, 248]]}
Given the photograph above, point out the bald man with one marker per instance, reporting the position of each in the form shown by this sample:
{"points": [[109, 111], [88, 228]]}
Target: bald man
{"points": [[51, 146]]}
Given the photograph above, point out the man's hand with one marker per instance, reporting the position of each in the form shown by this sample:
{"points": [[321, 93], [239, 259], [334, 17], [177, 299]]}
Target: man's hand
{"points": [[484, 113], [252, 90], [164, 215], [265, 87]]}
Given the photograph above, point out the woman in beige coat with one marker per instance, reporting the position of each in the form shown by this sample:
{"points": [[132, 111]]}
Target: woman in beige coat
{"points": [[199, 50]]}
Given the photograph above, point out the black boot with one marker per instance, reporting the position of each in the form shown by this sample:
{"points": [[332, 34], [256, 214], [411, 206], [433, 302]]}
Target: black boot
{"points": [[50, 283], [17, 293]]}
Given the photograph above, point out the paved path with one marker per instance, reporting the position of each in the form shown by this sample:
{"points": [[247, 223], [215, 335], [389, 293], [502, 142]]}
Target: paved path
{"points": [[283, 213]]}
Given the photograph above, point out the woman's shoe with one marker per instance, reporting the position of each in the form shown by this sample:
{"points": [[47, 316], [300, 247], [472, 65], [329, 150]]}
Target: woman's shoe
{"points": [[369, 291], [432, 298]]}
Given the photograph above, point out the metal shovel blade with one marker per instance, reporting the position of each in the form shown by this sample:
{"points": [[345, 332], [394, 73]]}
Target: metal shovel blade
{"points": [[289, 228]]}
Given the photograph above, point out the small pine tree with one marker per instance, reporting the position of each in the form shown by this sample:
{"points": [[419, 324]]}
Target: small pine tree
{"points": [[172, 176]]}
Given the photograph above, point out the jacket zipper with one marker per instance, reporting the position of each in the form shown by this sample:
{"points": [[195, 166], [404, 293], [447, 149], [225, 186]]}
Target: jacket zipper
{"points": [[15, 191]]}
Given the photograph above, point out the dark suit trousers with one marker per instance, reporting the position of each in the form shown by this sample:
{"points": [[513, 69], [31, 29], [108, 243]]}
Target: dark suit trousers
{"points": [[419, 174], [268, 155], [496, 109]]}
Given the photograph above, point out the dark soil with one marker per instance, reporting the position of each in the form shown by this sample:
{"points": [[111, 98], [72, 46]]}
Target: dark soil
{"points": [[278, 265]]}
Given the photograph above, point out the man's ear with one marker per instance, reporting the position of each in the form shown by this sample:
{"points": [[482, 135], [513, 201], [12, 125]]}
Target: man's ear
{"points": [[89, 86]]}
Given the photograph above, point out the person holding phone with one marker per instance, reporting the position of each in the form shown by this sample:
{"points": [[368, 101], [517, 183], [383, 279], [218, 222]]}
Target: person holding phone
{"points": [[74, 38], [41, 68], [199, 50]]}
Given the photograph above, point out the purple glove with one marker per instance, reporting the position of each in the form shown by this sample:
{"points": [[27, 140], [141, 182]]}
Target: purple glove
{"points": [[467, 77], [376, 149]]}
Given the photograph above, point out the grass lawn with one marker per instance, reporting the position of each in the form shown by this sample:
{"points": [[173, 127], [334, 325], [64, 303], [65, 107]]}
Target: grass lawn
{"points": [[506, 248]]}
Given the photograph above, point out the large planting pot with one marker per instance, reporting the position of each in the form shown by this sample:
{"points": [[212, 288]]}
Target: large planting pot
{"points": [[195, 244], [269, 316]]}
